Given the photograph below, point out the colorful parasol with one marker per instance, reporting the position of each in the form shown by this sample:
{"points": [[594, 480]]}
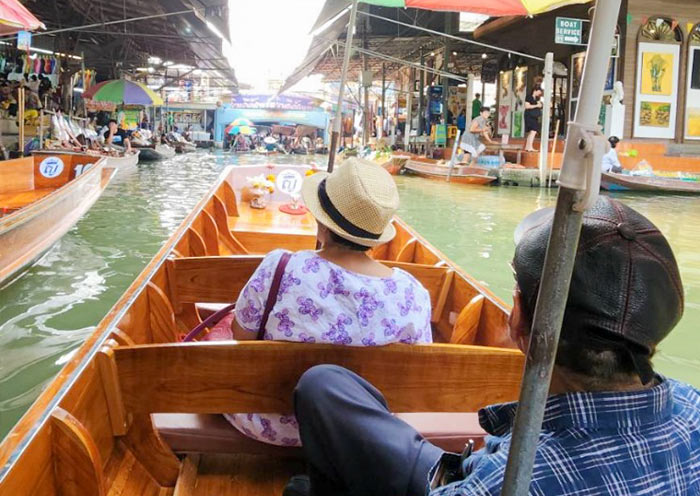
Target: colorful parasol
{"points": [[15, 17], [241, 125], [122, 92], [489, 7]]}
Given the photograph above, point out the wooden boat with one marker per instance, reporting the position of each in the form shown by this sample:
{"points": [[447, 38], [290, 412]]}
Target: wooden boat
{"points": [[396, 163], [156, 152], [124, 163], [431, 169], [41, 198], [91, 431], [623, 182]]}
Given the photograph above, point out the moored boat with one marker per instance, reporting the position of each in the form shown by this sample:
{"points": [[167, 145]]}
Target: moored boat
{"points": [[155, 152], [41, 198], [396, 163], [91, 428], [651, 184], [430, 169], [123, 162]]}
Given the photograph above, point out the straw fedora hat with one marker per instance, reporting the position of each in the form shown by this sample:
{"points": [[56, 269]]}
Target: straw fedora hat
{"points": [[357, 201]]}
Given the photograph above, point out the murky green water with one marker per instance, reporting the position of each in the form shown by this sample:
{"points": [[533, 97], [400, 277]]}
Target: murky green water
{"points": [[474, 227], [46, 314]]}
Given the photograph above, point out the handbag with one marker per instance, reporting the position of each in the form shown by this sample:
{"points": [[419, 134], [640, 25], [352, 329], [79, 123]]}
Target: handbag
{"points": [[219, 315]]}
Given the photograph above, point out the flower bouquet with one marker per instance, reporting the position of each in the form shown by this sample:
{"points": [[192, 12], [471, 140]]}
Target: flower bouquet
{"points": [[260, 187]]}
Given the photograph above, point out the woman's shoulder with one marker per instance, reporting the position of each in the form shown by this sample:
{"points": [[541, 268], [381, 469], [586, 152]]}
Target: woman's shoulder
{"points": [[407, 279]]}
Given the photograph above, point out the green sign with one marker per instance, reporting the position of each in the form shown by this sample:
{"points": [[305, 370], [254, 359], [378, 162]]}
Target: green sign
{"points": [[440, 134], [568, 31]]}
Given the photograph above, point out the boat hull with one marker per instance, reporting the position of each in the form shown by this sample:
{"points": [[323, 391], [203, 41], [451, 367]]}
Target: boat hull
{"points": [[461, 175], [160, 152], [124, 164], [28, 233], [622, 182]]}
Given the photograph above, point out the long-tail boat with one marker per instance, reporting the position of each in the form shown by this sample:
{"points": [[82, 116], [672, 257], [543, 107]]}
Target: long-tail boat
{"points": [[136, 412], [122, 162], [650, 184], [41, 198], [432, 169]]}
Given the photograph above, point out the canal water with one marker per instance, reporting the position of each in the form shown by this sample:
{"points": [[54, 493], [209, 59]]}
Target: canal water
{"points": [[50, 310]]}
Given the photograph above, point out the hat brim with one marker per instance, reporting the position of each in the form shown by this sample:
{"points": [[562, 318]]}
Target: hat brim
{"points": [[309, 193]]}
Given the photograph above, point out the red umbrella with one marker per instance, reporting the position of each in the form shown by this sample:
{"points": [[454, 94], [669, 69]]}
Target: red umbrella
{"points": [[15, 17]]}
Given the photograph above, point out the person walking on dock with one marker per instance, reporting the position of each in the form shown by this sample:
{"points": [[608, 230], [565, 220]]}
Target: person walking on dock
{"points": [[533, 114]]}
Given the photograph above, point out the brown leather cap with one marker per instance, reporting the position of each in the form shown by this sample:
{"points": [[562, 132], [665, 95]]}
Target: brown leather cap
{"points": [[625, 284]]}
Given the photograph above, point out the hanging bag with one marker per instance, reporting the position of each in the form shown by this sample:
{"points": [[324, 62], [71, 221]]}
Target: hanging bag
{"points": [[220, 334]]}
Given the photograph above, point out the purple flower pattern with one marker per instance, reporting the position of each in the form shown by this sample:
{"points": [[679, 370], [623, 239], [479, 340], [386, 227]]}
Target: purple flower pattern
{"points": [[368, 305], [390, 286], [334, 286], [320, 302], [337, 333], [288, 280], [312, 265], [285, 324], [257, 283], [409, 303], [307, 307]]}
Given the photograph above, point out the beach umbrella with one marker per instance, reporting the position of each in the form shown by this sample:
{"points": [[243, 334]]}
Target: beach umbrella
{"points": [[242, 121], [247, 130], [122, 92], [488, 7], [15, 17]]}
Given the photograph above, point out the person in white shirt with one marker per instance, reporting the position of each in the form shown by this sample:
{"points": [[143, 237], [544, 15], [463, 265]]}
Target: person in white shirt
{"points": [[610, 161]]}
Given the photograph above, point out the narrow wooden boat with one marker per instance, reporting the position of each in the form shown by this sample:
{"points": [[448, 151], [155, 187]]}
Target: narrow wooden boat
{"points": [[132, 397], [156, 152], [460, 174], [41, 198], [623, 182], [396, 163], [124, 163]]}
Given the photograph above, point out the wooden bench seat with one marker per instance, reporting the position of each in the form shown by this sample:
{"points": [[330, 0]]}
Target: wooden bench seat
{"points": [[211, 433], [19, 199]]}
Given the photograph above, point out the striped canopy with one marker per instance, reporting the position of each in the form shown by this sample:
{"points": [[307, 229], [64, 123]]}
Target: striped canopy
{"points": [[488, 7], [15, 17], [122, 92]]}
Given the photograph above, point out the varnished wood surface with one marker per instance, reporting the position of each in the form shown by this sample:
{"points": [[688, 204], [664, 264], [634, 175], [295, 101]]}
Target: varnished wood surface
{"points": [[23, 198], [138, 464], [28, 232], [271, 220], [225, 377], [16, 175]]}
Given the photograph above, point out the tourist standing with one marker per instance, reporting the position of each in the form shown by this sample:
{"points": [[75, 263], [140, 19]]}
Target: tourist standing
{"points": [[533, 114], [476, 106]]}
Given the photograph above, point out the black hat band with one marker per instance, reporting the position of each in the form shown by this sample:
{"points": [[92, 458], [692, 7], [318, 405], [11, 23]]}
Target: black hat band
{"points": [[340, 219]]}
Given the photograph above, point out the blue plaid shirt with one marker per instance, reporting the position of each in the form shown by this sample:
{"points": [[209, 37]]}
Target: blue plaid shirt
{"points": [[623, 444]]}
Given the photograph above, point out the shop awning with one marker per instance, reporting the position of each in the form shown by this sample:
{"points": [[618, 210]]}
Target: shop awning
{"points": [[15, 17], [488, 7]]}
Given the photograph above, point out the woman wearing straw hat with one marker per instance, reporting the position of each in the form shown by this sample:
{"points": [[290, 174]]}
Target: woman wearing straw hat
{"points": [[338, 294]]}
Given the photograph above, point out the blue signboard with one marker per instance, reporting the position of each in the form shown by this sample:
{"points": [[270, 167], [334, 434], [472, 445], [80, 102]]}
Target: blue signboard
{"points": [[24, 40]]}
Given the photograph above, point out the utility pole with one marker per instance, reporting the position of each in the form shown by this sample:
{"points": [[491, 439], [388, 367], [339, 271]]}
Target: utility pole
{"points": [[421, 124]]}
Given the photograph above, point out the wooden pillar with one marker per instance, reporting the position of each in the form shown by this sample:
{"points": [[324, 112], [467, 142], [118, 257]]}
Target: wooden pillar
{"points": [[421, 122], [409, 109], [446, 68], [380, 132]]}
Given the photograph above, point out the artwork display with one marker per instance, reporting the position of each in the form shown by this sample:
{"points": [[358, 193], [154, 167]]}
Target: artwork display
{"points": [[519, 96], [656, 99], [657, 73], [505, 101], [657, 114], [577, 62], [692, 99]]}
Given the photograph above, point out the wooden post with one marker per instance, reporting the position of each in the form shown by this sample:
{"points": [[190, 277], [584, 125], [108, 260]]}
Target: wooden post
{"points": [[409, 109], [380, 132], [20, 118], [546, 114], [421, 122]]}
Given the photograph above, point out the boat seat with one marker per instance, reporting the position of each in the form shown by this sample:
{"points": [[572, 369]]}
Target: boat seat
{"points": [[19, 199], [210, 433]]}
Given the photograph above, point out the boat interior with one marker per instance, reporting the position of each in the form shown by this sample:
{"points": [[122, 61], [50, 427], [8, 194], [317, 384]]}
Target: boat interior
{"points": [[137, 412], [22, 181]]}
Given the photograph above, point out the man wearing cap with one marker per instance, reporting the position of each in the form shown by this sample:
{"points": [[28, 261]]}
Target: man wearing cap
{"points": [[611, 425]]}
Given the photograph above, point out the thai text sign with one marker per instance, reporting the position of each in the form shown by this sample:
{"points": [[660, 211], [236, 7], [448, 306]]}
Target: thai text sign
{"points": [[568, 31]]}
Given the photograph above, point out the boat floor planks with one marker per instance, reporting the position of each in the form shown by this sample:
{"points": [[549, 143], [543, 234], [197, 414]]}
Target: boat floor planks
{"points": [[133, 366]]}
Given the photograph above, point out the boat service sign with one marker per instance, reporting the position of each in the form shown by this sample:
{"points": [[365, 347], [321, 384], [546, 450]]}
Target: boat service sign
{"points": [[289, 181], [51, 167]]}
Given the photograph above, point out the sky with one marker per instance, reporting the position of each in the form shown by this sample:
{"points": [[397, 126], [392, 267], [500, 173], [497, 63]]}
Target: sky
{"points": [[269, 37]]}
